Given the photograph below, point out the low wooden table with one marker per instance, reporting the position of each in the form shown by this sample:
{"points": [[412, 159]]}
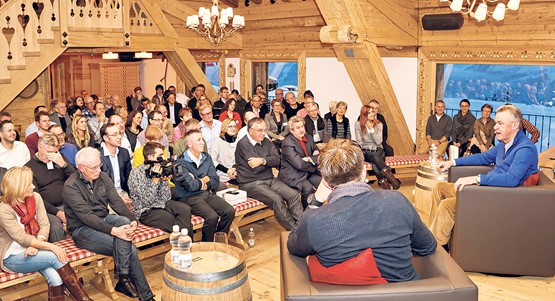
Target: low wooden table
{"points": [[208, 278], [426, 178]]}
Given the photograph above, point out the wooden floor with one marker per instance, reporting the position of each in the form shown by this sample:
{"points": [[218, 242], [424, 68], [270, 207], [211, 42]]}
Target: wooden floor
{"points": [[263, 267]]}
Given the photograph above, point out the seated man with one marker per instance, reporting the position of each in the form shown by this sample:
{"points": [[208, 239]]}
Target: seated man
{"points": [[299, 167], [67, 149], [438, 129], [87, 194], [255, 157], [196, 184], [50, 171], [116, 161], [515, 158], [151, 194], [483, 131], [463, 127], [386, 222]]}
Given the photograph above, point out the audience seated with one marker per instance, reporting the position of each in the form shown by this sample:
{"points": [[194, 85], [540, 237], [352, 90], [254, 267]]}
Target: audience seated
{"points": [[375, 105], [338, 125], [308, 100], [153, 134], [33, 127], [180, 145], [88, 108], [516, 163], [292, 106], [156, 118], [42, 120], [8, 116], [87, 195], [193, 103], [255, 157], [80, 135], [158, 98], [333, 110], [12, 152], [219, 104], [184, 115], [118, 121], [368, 134], [352, 202], [23, 230], [50, 171], [68, 150], [173, 108], [276, 123], [197, 184], [438, 129], [240, 105], [463, 127], [244, 130], [223, 152], [167, 125], [150, 191], [315, 125], [299, 167], [256, 106]]}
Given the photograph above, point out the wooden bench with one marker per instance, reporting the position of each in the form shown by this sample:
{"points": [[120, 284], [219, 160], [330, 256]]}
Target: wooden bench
{"points": [[89, 265], [405, 166]]}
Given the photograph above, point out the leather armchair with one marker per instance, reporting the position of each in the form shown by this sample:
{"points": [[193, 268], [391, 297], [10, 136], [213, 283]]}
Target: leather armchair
{"points": [[504, 230], [441, 279]]}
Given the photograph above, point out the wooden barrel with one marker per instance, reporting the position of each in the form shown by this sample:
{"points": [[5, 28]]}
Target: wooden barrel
{"points": [[208, 278], [426, 178]]}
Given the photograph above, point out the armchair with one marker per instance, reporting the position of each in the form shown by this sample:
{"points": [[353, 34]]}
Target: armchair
{"points": [[504, 230], [441, 279]]}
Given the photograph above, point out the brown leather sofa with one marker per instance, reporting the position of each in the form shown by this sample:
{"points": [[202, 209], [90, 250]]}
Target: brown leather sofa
{"points": [[441, 279], [504, 230]]}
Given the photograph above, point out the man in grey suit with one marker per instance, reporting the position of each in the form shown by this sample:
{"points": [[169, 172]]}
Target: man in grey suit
{"points": [[60, 116], [299, 167]]}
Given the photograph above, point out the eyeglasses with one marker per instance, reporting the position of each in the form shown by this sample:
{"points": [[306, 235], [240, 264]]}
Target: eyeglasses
{"points": [[158, 119], [115, 135], [259, 130], [205, 114], [93, 167], [90, 102], [232, 126]]}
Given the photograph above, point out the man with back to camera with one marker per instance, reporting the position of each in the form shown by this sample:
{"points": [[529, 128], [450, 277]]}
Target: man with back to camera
{"points": [[515, 158], [386, 222]]}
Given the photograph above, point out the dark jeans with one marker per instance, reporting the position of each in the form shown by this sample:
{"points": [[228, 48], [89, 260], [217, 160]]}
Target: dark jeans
{"points": [[126, 261], [377, 158], [174, 213], [212, 208]]}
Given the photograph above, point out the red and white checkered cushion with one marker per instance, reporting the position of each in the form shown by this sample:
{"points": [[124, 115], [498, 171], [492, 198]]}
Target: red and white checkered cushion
{"points": [[73, 253], [145, 232], [249, 203], [403, 160]]}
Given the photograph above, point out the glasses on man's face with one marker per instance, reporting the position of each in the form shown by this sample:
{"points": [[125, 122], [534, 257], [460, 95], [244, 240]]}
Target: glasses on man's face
{"points": [[115, 135], [158, 119], [97, 167], [262, 130], [89, 103], [206, 114], [60, 135]]}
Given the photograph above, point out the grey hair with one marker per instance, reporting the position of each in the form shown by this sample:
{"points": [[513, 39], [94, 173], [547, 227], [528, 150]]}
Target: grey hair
{"points": [[85, 154]]}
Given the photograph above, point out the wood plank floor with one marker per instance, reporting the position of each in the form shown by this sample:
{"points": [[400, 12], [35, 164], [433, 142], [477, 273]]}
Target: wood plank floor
{"points": [[263, 267]]}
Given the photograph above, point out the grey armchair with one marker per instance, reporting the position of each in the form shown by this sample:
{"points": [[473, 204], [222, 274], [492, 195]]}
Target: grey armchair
{"points": [[504, 230], [441, 279]]}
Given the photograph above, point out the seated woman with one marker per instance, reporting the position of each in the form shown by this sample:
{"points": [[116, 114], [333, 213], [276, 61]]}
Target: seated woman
{"points": [[133, 128], [368, 133], [184, 114], [357, 240], [229, 111], [299, 167], [152, 134], [80, 135], [338, 125], [23, 233], [276, 123], [223, 152]]}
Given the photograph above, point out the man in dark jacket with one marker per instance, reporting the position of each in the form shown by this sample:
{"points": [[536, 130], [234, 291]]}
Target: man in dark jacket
{"points": [[196, 186], [87, 194], [299, 167]]}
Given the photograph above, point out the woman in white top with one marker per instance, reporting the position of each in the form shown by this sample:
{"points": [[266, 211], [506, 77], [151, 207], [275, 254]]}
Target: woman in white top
{"points": [[222, 151]]}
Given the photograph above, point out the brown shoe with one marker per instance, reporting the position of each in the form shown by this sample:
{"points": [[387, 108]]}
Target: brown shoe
{"points": [[56, 293], [386, 172], [384, 184], [72, 283]]}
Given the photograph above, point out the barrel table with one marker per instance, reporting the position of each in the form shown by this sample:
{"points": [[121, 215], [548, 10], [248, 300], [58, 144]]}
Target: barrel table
{"points": [[426, 178], [208, 278]]}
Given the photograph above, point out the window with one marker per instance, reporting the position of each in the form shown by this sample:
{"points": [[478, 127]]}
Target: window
{"points": [[274, 75], [212, 71]]}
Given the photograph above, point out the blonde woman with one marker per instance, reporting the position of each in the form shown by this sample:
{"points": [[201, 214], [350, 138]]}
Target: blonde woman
{"points": [[222, 151], [80, 135], [24, 229]]}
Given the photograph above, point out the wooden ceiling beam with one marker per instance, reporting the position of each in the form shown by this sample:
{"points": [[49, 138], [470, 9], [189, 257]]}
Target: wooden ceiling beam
{"points": [[392, 10], [231, 3]]}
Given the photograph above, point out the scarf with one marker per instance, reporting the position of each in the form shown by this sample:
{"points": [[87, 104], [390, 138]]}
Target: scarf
{"points": [[229, 139], [27, 212], [348, 189]]}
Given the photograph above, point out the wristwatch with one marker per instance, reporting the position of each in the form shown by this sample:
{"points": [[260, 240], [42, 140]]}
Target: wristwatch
{"points": [[478, 179]]}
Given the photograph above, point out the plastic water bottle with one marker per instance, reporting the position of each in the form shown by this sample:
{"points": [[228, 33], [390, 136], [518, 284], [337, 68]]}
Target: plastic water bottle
{"points": [[184, 244], [251, 237], [174, 253]]}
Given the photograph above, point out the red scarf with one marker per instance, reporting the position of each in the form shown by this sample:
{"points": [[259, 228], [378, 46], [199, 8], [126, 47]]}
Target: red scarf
{"points": [[27, 212]]}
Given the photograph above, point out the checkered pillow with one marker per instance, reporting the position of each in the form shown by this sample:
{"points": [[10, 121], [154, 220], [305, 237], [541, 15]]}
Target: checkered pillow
{"points": [[145, 232], [249, 203]]}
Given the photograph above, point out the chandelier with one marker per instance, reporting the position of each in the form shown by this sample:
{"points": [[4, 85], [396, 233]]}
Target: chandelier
{"points": [[213, 24], [480, 11]]}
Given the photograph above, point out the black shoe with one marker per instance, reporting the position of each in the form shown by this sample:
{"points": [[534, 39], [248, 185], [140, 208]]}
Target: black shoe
{"points": [[126, 287]]}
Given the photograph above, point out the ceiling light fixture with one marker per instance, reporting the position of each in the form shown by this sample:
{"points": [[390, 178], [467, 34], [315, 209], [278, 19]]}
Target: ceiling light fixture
{"points": [[110, 56], [143, 55], [481, 11], [212, 23]]}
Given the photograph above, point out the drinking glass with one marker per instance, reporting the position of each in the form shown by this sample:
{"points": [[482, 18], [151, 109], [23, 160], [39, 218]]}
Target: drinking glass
{"points": [[220, 245]]}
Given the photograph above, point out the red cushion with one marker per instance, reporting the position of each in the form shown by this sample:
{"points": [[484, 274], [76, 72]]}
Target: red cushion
{"points": [[359, 270], [532, 179]]}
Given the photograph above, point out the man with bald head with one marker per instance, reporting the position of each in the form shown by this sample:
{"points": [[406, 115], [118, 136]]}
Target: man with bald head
{"points": [[87, 195]]}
